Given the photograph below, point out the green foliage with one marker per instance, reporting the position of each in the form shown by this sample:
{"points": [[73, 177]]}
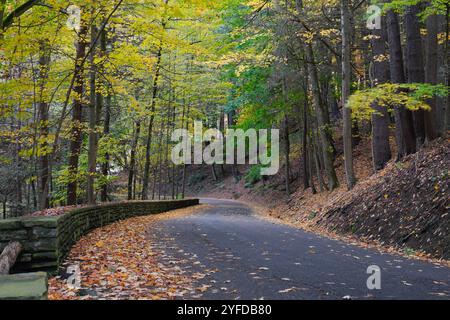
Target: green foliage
{"points": [[253, 176], [409, 251], [432, 7], [411, 96]]}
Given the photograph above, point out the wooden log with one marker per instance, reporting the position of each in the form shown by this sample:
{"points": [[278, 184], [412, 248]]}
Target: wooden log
{"points": [[9, 257]]}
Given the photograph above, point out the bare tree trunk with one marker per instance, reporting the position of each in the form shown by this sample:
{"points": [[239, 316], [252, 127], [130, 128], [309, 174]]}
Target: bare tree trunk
{"points": [[169, 126], [33, 196], [150, 126], [160, 160], [415, 64], [132, 166], [106, 101], [306, 172], [18, 194], [405, 135], [183, 186], [5, 200], [327, 149], [346, 80], [234, 169], [43, 167], [222, 129], [287, 150], [77, 117], [305, 146], [2, 14], [446, 125], [431, 72], [105, 164], [310, 164], [174, 168], [92, 148], [381, 150], [317, 162]]}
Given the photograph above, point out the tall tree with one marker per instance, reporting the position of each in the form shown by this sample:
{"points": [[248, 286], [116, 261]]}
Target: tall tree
{"points": [[77, 114], [415, 63], [93, 137], [326, 147], [148, 147], [405, 135], [132, 166], [381, 150], [346, 87], [43, 112], [431, 73], [104, 87]]}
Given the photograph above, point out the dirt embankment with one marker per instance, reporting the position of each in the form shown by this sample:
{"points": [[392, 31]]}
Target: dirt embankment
{"points": [[407, 205]]}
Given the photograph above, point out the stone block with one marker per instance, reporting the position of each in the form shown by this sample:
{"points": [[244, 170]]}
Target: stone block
{"points": [[25, 286], [41, 232], [10, 224], [13, 235], [46, 222]]}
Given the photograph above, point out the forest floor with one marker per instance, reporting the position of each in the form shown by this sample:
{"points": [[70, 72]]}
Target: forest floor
{"points": [[403, 208]]}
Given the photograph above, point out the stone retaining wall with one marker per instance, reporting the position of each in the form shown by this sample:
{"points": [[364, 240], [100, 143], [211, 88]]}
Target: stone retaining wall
{"points": [[47, 240]]}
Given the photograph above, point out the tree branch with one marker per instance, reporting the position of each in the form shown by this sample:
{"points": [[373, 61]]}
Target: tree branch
{"points": [[18, 12]]}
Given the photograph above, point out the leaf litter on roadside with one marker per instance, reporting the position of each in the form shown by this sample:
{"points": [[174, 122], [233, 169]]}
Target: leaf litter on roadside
{"points": [[122, 261]]}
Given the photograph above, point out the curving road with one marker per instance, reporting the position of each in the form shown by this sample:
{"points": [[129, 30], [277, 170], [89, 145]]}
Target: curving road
{"points": [[252, 258]]}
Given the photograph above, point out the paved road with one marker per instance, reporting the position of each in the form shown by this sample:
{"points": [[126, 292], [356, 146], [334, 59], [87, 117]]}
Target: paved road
{"points": [[257, 259]]}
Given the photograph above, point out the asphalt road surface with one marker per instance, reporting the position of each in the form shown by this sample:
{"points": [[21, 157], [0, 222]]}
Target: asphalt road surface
{"points": [[255, 259]]}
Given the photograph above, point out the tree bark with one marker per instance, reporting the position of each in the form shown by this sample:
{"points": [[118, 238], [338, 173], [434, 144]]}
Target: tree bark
{"points": [[150, 126], [446, 125], [315, 154], [184, 177], [415, 64], [160, 162], [306, 173], [346, 81], [381, 150], [102, 102], [232, 120], [4, 201], [327, 150], [2, 14], [132, 166], [105, 164], [43, 161], [16, 13], [77, 117], [310, 163], [287, 150], [404, 130], [431, 71], [92, 148]]}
